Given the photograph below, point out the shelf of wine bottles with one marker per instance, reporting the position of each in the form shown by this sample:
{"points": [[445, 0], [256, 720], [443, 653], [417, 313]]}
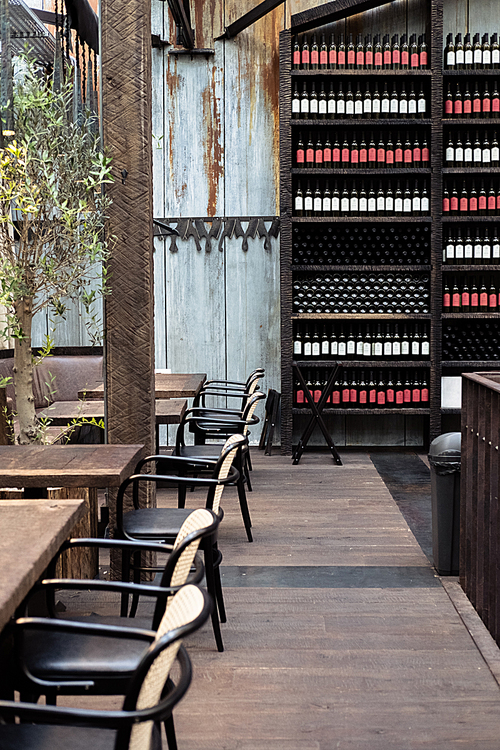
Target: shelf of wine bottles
{"points": [[363, 99], [388, 293], [471, 197], [471, 294], [379, 150], [472, 53], [371, 52], [471, 246], [361, 342], [351, 244], [366, 389], [473, 99], [471, 154], [363, 198], [471, 340]]}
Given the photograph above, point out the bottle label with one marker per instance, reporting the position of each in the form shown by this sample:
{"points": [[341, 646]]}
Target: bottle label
{"points": [[358, 107], [421, 106], [468, 57], [405, 348], [405, 57], [299, 203], [396, 349], [407, 155], [486, 252], [416, 204], [455, 300], [344, 205], [363, 155], [459, 57], [310, 155], [482, 203], [360, 59], [315, 349], [334, 350], [424, 395], [380, 203], [381, 398], [425, 348], [359, 348], [495, 56], [300, 397], [313, 106], [387, 57], [332, 57], [389, 205], [459, 155], [341, 57], [385, 106], [450, 251], [323, 57], [396, 57], [378, 59], [468, 155], [304, 106], [351, 347], [415, 395], [458, 107], [327, 154], [317, 205], [336, 398], [300, 156], [486, 57], [492, 301], [486, 105], [354, 208], [459, 251], [398, 205], [327, 205], [387, 349], [483, 299], [308, 203], [407, 205], [399, 398], [335, 155], [417, 154], [474, 299], [297, 347], [340, 106], [454, 203], [342, 349], [467, 106], [307, 349], [372, 396], [322, 106], [381, 155], [351, 57], [450, 59], [412, 107], [362, 397], [495, 104], [367, 350], [325, 348], [473, 204], [375, 104], [464, 205], [407, 396], [476, 105], [349, 107], [491, 203], [495, 153], [372, 205], [367, 106], [372, 155], [316, 396], [295, 105], [318, 156], [368, 58], [496, 251], [415, 348], [398, 155], [478, 251], [414, 60], [450, 153], [335, 204], [465, 299], [486, 156], [448, 107], [355, 156], [478, 56], [394, 106], [389, 396], [331, 106], [353, 395], [389, 157], [403, 106], [363, 206], [478, 155], [446, 205], [345, 154], [296, 57]]}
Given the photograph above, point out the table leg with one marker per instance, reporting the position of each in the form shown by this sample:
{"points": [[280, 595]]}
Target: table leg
{"points": [[316, 417]]}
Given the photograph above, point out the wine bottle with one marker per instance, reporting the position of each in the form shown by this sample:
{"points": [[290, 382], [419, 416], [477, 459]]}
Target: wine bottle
{"points": [[297, 345], [482, 202], [340, 102], [373, 109], [459, 152], [358, 103], [372, 153], [381, 390], [304, 103], [458, 108], [408, 152], [464, 200], [377, 53], [317, 201], [421, 104], [363, 152], [477, 53], [380, 152], [299, 201], [405, 53], [354, 152], [455, 298], [483, 296], [407, 202], [296, 103], [454, 199], [387, 62], [476, 101], [327, 201], [327, 153], [495, 151], [360, 53], [367, 102], [385, 106], [446, 200], [465, 298], [449, 53], [495, 51], [323, 54], [308, 200], [345, 154], [416, 205], [351, 54], [305, 57], [398, 200], [394, 103], [389, 151], [412, 102], [486, 253], [486, 101], [296, 53], [414, 55], [369, 52], [314, 54], [335, 200], [486, 52], [322, 103], [459, 248], [313, 102], [473, 202], [332, 54], [396, 53], [341, 60], [459, 53], [403, 102], [349, 102], [380, 200], [309, 152], [448, 103], [467, 103], [318, 153]]}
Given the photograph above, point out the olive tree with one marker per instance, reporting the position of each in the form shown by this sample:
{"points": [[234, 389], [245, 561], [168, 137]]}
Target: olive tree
{"points": [[52, 215]]}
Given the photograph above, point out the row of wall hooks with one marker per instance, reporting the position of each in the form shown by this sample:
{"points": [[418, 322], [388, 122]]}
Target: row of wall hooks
{"points": [[213, 231]]}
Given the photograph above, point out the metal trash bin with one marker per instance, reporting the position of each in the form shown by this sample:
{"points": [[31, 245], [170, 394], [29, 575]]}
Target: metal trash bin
{"points": [[445, 463]]}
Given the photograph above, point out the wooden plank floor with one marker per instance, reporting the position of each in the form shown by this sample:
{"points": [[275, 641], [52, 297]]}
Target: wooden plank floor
{"points": [[339, 634]]}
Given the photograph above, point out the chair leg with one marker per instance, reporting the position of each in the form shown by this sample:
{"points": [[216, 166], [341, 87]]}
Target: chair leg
{"points": [[220, 596], [125, 579], [211, 588], [181, 497], [244, 508], [137, 579], [247, 471], [170, 733], [250, 467]]}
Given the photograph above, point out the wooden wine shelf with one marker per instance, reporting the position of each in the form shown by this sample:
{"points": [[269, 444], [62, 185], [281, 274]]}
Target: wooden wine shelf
{"points": [[456, 219], [471, 170], [353, 172], [362, 316], [467, 316], [363, 72], [361, 363], [469, 363], [362, 219], [471, 268], [468, 122], [450, 410], [356, 410], [360, 268], [366, 122], [495, 73]]}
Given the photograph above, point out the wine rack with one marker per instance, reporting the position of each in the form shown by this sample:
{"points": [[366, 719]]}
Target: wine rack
{"points": [[365, 278]]}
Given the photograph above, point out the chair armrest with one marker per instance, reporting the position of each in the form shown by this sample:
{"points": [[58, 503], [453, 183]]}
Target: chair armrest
{"points": [[174, 460], [84, 628]]}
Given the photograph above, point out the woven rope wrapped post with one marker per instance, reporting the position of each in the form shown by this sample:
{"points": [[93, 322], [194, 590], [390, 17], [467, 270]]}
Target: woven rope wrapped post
{"points": [[126, 93]]}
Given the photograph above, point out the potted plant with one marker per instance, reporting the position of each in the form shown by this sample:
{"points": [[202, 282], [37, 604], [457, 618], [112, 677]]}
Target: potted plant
{"points": [[52, 215]]}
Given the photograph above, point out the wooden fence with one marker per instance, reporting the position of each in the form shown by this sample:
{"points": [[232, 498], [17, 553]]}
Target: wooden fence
{"points": [[479, 511]]}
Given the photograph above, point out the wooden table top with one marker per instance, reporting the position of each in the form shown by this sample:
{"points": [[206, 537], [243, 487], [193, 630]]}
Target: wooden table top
{"points": [[31, 532], [168, 411], [67, 465], [167, 385]]}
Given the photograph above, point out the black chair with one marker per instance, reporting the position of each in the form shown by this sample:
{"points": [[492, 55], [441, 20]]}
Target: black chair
{"points": [[162, 524], [63, 663], [149, 699], [214, 390]]}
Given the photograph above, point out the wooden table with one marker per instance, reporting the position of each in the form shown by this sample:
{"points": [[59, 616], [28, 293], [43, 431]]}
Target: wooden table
{"points": [[167, 385], [31, 532]]}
